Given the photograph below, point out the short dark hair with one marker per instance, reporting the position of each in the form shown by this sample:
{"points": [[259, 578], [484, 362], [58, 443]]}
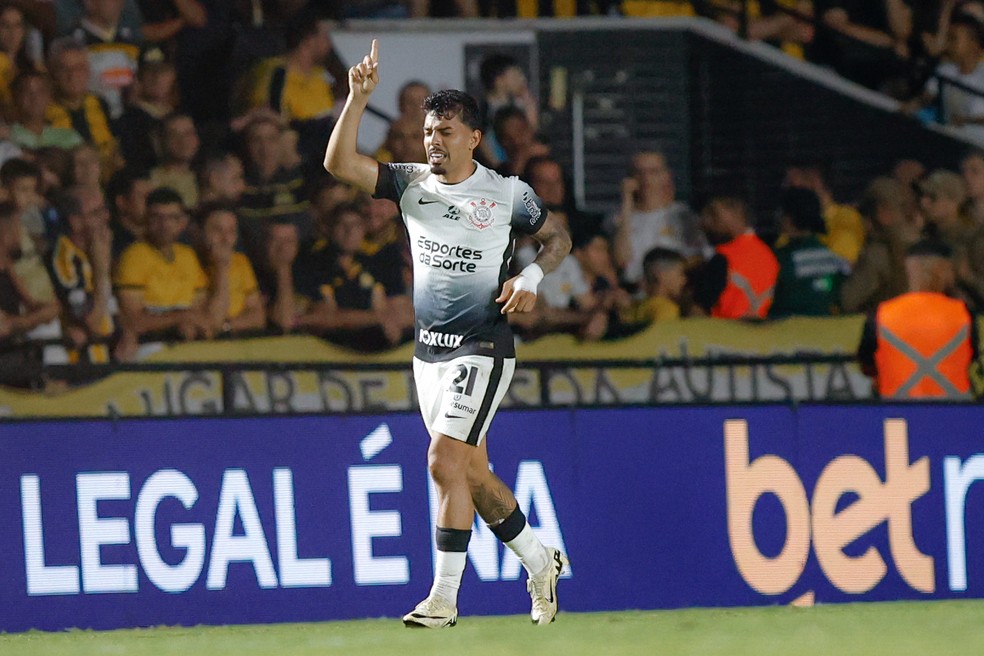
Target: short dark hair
{"points": [[930, 247], [964, 19], [493, 66], [802, 207], [17, 168], [164, 196], [449, 103], [121, 184], [348, 207], [505, 114], [301, 25], [657, 259], [209, 208]]}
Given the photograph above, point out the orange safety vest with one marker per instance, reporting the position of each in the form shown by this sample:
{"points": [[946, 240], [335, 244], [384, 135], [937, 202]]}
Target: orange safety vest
{"points": [[924, 348], [752, 273]]}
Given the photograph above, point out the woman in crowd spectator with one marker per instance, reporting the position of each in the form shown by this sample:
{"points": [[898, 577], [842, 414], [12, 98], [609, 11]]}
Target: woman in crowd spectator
{"points": [[14, 56]]}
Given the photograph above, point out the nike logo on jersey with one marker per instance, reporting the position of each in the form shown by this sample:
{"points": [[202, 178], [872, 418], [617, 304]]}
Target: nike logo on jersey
{"points": [[421, 201]]}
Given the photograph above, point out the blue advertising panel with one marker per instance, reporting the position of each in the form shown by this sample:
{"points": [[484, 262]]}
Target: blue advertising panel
{"points": [[192, 521]]}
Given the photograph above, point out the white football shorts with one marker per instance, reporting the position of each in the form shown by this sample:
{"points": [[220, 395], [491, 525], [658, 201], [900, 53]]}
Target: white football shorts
{"points": [[459, 397]]}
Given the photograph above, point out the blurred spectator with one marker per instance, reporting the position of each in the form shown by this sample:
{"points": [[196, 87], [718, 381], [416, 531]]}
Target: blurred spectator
{"points": [[75, 106], [740, 280], [879, 273], [85, 167], [810, 274], [221, 179], [909, 172], [275, 272], [154, 98], [348, 305], [159, 282], [113, 50], [298, 87], [127, 194], [20, 311], [80, 269], [920, 345], [664, 281], [21, 180], [163, 20], [233, 303], [179, 148], [972, 169], [864, 40], [518, 141], [14, 55], [31, 130], [944, 195], [330, 194], [383, 251], [410, 101], [547, 178], [650, 216], [960, 108], [274, 192], [505, 85], [845, 231], [404, 142]]}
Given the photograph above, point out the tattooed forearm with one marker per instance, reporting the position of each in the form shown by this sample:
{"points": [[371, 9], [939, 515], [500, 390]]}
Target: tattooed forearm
{"points": [[555, 242]]}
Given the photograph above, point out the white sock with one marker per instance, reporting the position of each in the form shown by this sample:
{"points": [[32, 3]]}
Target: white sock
{"points": [[447, 577], [530, 551]]}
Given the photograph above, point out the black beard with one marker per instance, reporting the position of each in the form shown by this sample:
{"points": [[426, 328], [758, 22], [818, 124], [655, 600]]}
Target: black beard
{"points": [[437, 169]]}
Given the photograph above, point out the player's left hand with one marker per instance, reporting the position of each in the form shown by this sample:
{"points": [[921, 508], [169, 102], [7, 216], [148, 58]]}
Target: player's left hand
{"points": [[516, 300]]}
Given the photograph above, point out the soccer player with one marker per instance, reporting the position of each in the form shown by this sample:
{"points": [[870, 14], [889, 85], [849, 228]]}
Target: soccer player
{"points": [[459, 217]]}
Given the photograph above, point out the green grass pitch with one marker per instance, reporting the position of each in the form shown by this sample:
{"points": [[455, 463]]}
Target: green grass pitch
{"points": [[889, 629]]}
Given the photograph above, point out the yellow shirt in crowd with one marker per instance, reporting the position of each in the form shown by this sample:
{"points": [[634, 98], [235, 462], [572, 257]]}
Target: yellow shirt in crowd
{"points": [[845, 231], [167, 284], [650, 309], [242, 283]]}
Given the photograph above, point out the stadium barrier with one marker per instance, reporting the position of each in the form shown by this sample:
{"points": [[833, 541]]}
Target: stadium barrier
{"points": [[281, 519], [689, 361]]}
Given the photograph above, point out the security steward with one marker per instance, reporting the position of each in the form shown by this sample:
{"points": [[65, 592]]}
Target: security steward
{"points": [[922, 344]]}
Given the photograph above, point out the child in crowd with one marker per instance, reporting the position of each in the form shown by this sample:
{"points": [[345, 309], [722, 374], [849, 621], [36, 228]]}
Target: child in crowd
{"points": [[664, 281]]}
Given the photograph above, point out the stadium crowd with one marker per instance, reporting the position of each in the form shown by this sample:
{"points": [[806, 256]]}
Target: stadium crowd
{"points": [[161, 180]]}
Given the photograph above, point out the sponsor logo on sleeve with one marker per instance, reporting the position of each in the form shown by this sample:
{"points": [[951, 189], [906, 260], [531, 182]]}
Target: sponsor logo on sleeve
{"points": [[531, 207]]}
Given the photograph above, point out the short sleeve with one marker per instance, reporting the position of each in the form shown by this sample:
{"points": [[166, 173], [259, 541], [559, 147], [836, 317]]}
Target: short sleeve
{"points": [[393, 179], [131, 272], [528, 210]]}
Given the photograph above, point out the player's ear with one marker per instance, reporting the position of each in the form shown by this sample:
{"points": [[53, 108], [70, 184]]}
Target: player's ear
{"points": [[476, 138]]}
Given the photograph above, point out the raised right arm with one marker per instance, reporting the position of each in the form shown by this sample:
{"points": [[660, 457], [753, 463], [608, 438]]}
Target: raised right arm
{"points": [[342, 158]]}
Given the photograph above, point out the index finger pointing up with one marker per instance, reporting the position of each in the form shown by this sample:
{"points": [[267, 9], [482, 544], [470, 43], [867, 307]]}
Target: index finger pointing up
{"points": [[374, 51]]}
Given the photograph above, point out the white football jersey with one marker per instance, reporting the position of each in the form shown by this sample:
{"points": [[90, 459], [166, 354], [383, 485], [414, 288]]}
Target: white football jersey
{"points": [[461, 241]]}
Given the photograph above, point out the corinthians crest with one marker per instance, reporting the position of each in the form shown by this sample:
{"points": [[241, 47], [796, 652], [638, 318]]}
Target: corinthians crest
{"points": [[480, 215]]}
